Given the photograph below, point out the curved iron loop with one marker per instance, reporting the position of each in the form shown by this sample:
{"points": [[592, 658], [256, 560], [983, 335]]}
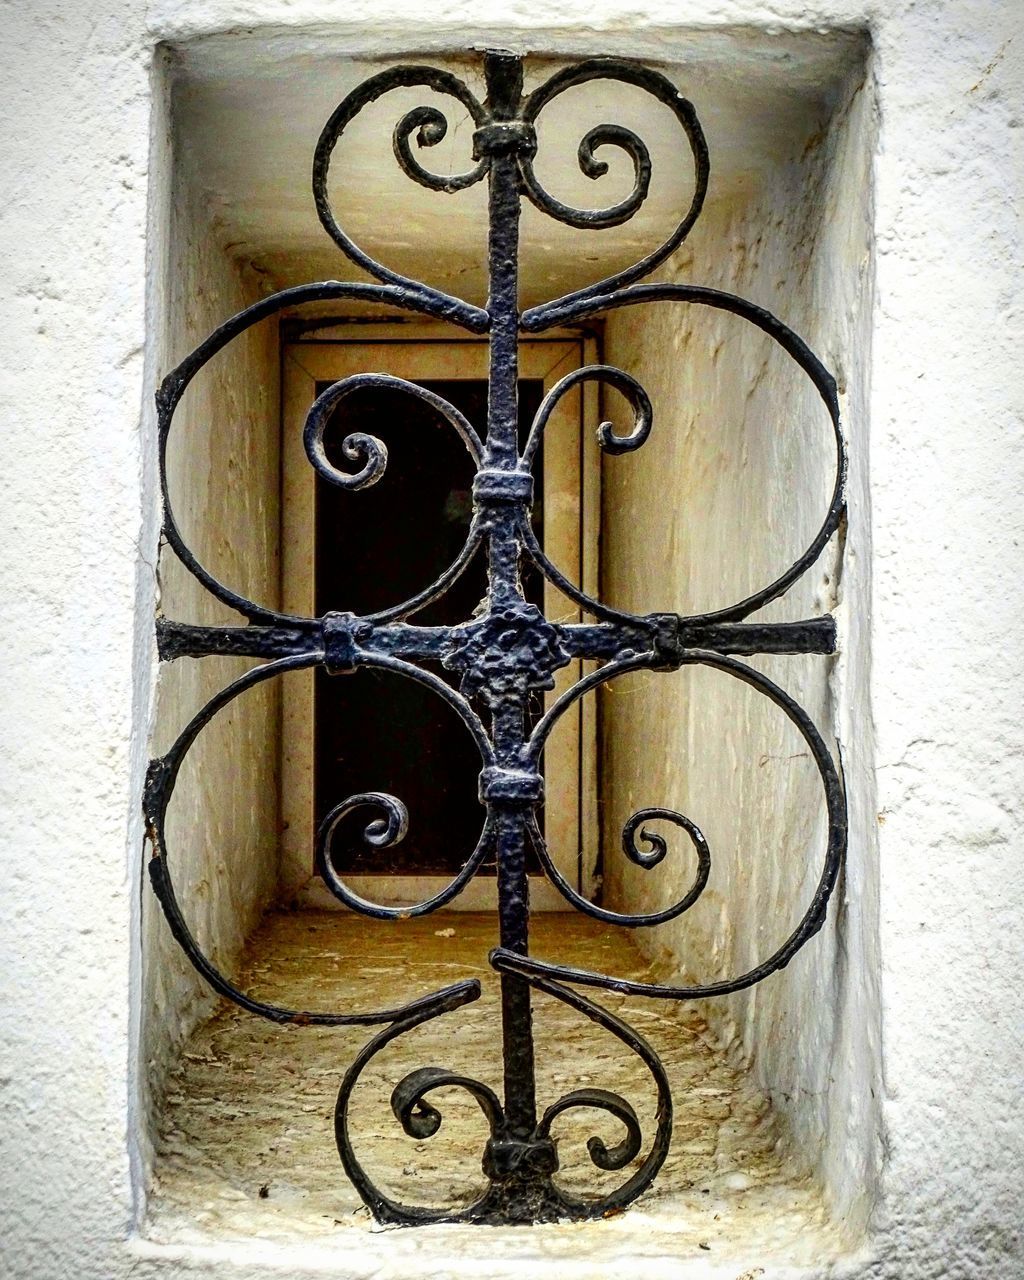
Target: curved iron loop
{"points": [[175, 384], [359, 447], [626, 661], [454, 699], [657, 843], [421, 1120], [623, 1153], [624, 919], [430, 127], [398, 612], [382, 833], [417, 1118], [160, 783], [603, 1156], [659, 87], [795, 347], [636, 396], [533, 551], [597, 219], [835, 802], [367, 449], [373, 454]]}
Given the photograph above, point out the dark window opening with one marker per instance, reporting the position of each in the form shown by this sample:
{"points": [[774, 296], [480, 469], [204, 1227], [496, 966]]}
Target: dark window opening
{"points": [[376, 731]]}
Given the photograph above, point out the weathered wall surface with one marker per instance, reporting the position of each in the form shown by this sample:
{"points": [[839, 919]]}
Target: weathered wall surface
{"points": [[223, 463], [83, 198], [75, 584], [729, 490]]}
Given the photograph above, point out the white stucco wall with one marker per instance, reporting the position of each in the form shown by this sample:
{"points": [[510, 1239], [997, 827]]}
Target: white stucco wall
{"points": [[223, 474], [728, 491], [85, 240]]}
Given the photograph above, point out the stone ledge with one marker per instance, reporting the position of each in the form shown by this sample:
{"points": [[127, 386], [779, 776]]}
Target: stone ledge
{"points": [[247, 1167]]}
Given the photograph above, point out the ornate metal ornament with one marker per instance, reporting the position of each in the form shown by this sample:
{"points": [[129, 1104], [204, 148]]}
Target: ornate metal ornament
{"points": [[509, 650]]}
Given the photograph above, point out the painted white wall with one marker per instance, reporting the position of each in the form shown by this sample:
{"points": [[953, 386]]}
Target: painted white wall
{"points": [[728, 491], [85, 236]]}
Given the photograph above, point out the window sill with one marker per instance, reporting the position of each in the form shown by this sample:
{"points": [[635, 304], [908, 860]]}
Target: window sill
{"points": [[247, 1169]]}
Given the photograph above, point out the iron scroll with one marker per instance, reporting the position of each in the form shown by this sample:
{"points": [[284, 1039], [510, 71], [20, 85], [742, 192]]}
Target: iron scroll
{"points": [[509, 651]]}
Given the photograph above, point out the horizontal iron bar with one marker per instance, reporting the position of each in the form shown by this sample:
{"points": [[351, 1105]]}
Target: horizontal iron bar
{"points": [[186, 640], [811, 635], [667, 635]]}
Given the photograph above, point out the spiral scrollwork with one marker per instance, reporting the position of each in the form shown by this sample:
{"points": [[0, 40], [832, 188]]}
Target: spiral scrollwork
{"points": [[512, 1161], [605, 1157], [372, 454], [636, 397], [160, 783], [664, 91], [430, 127], [814, 914], [359, 447], [626, 919], [383, 833], [419, 1118], [176, 384], [387, 831], [626, 1151], [597, 219], [789, 342], [658, 846]]}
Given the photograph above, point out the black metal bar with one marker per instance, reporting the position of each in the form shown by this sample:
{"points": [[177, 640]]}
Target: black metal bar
{"points": [[510, 651], [501, 145], [579, 639]]}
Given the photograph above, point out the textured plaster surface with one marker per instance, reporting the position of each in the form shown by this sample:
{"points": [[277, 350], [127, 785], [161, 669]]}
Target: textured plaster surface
{"points": [[85, 230]]}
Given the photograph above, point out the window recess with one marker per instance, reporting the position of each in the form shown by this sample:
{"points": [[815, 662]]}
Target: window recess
{"points": [[642, 609]]}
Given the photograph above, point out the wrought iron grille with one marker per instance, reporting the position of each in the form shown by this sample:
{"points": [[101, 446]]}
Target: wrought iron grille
{"points": [[509, 650]]}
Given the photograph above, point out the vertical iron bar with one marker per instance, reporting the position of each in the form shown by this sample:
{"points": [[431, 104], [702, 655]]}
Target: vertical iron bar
{"points": [[504, 73], [504, 87]]}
